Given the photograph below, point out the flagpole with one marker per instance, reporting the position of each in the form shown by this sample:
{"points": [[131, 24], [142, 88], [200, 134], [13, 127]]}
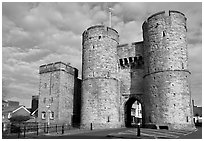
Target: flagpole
{"points": [[110, 14]]}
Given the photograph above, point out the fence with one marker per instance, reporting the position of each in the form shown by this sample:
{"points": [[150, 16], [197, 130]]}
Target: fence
{"points": [[34, 129]]}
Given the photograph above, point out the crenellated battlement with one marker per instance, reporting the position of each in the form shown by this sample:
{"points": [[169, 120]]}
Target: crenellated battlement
{"points": [[58, 66], [136, 62], [130, 50], [171, 17]]}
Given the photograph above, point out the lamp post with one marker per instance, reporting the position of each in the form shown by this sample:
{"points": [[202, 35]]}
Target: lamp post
{"points": [[48, 117]]}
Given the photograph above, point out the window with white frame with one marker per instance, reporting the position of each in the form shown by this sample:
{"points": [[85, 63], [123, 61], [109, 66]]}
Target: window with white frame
{"points": [[9, 115], [43, 115], [51, 115]]}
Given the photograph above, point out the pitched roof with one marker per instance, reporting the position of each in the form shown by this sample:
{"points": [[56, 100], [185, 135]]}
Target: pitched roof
{"points": [[20, 108], [13, 109]]}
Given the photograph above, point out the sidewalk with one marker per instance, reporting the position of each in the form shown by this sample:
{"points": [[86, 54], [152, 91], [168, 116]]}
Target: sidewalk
{"points": [[80, 131]]}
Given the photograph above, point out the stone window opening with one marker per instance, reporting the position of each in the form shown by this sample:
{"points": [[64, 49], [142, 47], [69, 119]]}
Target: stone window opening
{"points": [[52, 115], [154, 86], [108, 119], [130, 59], [164, 34], [135, 59], [43, 115], [126, 61], [93, 46], [174, 105], [174, 94], [121, 62], [157, 25], [99, 37], [187, 119], [45, 85], [140, 58], [182, 65]]}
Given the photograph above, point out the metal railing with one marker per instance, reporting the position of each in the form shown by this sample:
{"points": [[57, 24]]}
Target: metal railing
{"points": [[33, 129]]}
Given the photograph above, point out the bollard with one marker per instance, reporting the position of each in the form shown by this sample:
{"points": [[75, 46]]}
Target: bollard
{"points": [[24, 130], [63, 129], [19, 131], [91, 127], [47, 128], [37, 129], [44, 127], [138, 129]]}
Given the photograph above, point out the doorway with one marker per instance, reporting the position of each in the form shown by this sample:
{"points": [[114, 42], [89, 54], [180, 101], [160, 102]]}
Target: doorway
{"points": [[133, 112]]}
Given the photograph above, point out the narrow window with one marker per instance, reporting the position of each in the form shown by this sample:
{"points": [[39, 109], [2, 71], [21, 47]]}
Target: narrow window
{"points": [[164, 34], [43, 115], [126, 61], [121, 62], [108, 119], [182, 66], [99, 37], [45, 85], [130, 59], [187, 118], [135, 59], [51, 115], [9, 115]]}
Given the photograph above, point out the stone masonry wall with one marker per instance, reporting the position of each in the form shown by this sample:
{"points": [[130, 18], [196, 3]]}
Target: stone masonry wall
{"points": [[131, 72], [99, 74], [131, 68], [166, 86], [56, 90]]}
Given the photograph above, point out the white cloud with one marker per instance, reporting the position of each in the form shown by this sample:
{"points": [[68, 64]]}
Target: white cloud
{"points": [[34, 34]]}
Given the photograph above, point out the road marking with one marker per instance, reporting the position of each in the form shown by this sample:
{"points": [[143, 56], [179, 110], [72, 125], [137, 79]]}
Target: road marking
{"points": [[156, 133]]}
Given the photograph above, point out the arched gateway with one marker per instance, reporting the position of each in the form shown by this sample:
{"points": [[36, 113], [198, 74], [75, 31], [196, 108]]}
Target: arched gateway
{"points": [[128, 106]]}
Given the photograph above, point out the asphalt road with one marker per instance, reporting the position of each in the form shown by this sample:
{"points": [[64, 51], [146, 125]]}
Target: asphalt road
{"points": [[123, 133], [195, 135]]}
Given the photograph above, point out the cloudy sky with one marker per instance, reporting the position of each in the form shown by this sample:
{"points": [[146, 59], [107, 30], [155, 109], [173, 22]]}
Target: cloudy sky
{"points": [[34, 34]]}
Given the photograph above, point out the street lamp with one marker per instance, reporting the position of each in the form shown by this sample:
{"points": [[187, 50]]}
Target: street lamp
{"points": [[48, 117]]}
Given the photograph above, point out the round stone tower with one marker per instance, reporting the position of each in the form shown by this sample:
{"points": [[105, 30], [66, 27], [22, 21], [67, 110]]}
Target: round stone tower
{"points": [[167, 92], [100, 88]]}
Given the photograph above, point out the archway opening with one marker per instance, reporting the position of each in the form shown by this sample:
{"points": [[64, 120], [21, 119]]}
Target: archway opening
{"points": [[133, 112]]}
